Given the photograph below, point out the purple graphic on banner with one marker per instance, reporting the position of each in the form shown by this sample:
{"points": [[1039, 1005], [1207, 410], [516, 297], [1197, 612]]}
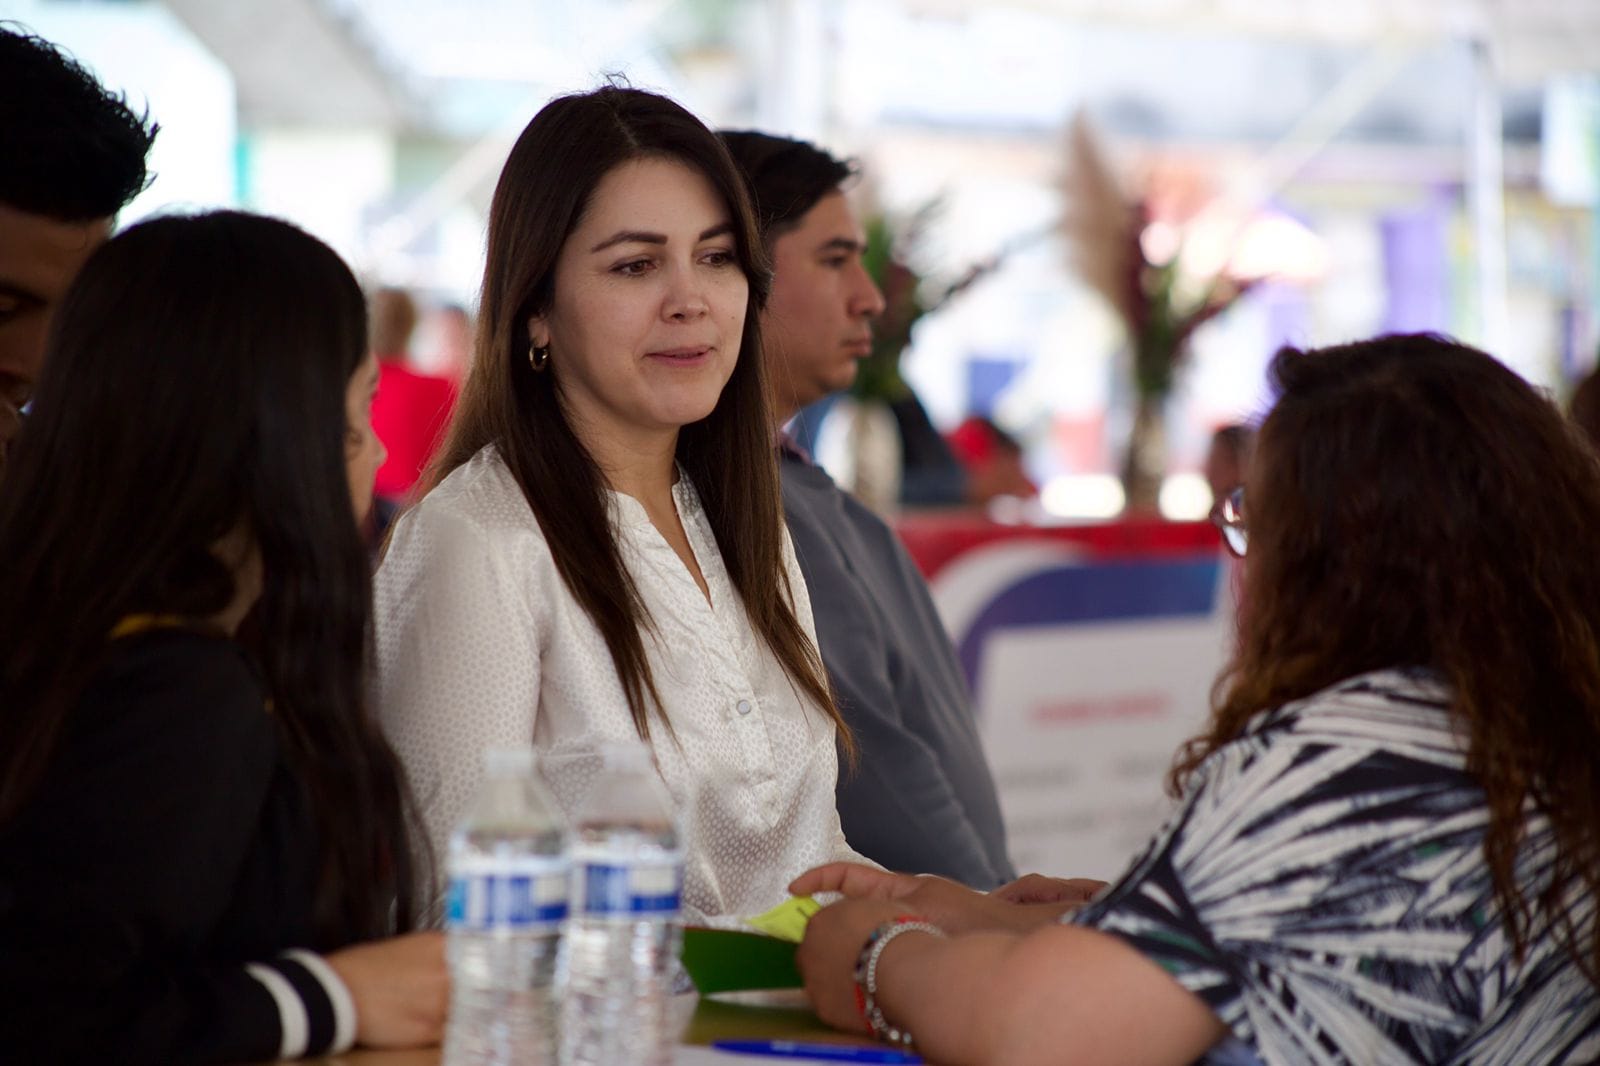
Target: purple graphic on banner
{"points": [[1093, 594]]}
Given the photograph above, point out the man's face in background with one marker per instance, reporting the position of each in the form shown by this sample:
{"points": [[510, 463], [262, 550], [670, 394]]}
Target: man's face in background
{"points": [[818, 319], [39, 257]]}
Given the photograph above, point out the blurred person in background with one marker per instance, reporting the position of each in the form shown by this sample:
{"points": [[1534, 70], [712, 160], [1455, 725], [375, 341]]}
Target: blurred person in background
{"points": [[922, 797], [993, 460], [412, 409], [600, 553], [202, 840], [1585, 407], [450, 328], [1388, 842], [72, 154], [1228, 459]]}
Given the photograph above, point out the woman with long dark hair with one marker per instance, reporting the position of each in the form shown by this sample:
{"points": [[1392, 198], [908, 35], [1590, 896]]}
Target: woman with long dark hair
{"points": [[1388, 845], [200, 824], [601, 554]]}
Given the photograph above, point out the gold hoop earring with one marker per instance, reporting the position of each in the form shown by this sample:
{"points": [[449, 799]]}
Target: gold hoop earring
{"points": [[538, 357]]}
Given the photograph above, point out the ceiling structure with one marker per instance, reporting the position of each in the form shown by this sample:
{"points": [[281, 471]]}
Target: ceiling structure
{"points": [[300, 61], [448, 63], [1532, 38]]}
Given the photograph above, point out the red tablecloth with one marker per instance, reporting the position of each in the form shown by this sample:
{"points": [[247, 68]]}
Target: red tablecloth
{"points": [[935, 537]]}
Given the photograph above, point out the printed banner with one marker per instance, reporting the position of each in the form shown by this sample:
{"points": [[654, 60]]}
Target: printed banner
{"points": [[1087, 674]]}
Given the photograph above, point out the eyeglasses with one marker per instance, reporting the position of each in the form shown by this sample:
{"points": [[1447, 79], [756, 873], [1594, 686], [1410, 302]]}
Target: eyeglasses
{"points": [[1228, 516]]}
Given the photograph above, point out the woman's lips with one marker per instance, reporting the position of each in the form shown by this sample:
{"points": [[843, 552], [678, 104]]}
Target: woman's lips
{"points": [[681, 356]]}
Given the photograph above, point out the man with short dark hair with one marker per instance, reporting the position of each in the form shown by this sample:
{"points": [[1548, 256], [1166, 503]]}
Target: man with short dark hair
{"points": [[72, 154], [922, 798]]}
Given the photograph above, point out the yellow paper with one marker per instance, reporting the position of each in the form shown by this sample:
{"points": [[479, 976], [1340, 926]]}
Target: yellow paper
{"points": [[787, 921]]}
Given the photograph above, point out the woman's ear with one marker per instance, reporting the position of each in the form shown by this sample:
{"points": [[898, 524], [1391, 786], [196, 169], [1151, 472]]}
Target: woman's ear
{"points": [[538, 331]]}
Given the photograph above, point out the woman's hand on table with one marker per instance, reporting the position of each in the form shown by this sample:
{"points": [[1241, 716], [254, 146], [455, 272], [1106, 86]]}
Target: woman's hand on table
{"points": [[1023, 905], [1037, 888], [827, 956], [401, 989]]}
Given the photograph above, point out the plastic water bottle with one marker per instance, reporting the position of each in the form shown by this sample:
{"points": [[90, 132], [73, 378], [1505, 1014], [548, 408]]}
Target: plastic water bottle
{"points": [[623, 941], [510, 888]]}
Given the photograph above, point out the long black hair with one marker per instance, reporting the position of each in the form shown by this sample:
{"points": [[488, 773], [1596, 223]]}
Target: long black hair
{"points": [[194, 385], [553, 170]]}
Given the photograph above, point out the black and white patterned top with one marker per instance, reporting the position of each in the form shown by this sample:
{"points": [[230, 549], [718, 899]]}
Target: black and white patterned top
{"points": [[1322, 887]]}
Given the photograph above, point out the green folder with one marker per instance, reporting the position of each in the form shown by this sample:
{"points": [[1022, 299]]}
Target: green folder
{"points": [[729, 960]]}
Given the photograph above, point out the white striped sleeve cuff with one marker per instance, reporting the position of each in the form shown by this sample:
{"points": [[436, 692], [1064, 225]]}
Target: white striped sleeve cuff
{"points": [[344, 1006], [292, 1020], [316, 1013]]}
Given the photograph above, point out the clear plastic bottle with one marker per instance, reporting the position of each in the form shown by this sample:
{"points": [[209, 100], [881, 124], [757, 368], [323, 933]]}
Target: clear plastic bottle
{"points": [[623, 941], [510, 889]]}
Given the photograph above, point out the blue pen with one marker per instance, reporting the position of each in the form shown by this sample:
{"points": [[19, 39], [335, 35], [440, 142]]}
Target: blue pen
{"points": [[792, 1049]]}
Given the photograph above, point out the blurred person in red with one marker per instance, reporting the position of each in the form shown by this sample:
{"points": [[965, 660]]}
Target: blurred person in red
{"points": [[993, 459], [72, 154], [412, 409]]}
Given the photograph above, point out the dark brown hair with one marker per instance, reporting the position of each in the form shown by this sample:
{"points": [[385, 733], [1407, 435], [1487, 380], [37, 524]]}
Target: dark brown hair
{"points": [[195, 380], [553, 170], [1418, 504]]}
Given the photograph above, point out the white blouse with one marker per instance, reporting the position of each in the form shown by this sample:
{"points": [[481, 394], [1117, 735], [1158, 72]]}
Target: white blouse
{"points": [[480, 643]]}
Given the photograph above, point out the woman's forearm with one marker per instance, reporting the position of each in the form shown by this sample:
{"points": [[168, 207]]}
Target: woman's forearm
{"points": [[1058, 995], [937, 989]]}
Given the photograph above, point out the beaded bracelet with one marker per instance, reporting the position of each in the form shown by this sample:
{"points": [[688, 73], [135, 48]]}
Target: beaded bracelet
{"points": [[866, 976]]}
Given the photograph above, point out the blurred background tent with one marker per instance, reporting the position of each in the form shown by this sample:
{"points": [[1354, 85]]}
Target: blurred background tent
{"points": [[1355, 165]]}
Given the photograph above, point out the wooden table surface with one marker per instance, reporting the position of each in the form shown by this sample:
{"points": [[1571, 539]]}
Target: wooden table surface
{"points": [[782, 1015]]}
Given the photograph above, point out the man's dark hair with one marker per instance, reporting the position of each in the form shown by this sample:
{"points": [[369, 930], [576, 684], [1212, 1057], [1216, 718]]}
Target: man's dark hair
{"points": [[786, 177], [70, 149]]}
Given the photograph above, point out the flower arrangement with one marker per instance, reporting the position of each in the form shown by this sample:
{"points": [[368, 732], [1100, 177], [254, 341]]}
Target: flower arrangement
{"points": [[891, 247], [1131, 250]]}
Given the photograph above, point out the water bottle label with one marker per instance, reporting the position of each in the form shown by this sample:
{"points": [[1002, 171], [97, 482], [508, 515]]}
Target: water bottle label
{"points": [[520, 898], [617, 890]]}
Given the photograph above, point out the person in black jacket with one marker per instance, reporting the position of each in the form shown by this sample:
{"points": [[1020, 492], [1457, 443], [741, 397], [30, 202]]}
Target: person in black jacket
{"points": [[203, 847]]}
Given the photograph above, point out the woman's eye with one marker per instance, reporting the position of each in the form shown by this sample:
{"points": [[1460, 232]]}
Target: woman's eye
{"points": [[720, 257], [633, 268]]}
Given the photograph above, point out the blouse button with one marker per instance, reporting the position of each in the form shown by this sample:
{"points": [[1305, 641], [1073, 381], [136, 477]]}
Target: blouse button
{"points": [[744, 706]]}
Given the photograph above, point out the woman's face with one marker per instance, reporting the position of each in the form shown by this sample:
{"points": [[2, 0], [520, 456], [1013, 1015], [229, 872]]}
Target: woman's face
{"points": [[648, 306], [363, 451]]}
